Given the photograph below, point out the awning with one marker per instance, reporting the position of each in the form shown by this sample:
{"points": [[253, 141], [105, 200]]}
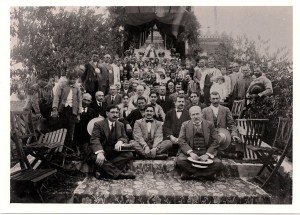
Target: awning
{"points": [[138, 15]]}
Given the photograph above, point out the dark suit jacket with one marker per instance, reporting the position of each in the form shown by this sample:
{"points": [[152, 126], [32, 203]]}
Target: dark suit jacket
{"points": [[167, 105], [224, 119], [90, 78], [98, 109], [186, 137], [100, 135], [103, 79], [81, 135], [118, 100], [172, 124]]}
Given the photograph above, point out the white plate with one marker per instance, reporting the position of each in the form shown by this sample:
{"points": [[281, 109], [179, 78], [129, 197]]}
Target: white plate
{"points": [[199, 166], [209, 161]]}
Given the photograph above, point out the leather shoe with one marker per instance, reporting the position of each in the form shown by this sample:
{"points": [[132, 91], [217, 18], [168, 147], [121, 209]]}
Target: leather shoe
{"points": [[127, 175]]}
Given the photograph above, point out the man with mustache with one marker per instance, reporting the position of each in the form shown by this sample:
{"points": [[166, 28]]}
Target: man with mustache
{"points": [[198, 140], [173, 121], [221, 116], [105, 146], [148, 136]]}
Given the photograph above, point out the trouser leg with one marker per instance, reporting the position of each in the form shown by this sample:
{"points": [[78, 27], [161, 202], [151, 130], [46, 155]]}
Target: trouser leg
{"points": [[69, 123], [164, 147], [137, 147]]}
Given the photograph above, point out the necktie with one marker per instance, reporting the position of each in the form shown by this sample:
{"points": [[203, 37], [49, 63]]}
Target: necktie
{"points": [[84, 110], [124, 111], [149, 120], [179, 110], [162, 98], [99, 104], [112, 127], [112, 99]]}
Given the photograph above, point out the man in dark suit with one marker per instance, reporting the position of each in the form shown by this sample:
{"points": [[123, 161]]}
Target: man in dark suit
{"points": [[113, 98], [222, 118], [125, 89], [137, 113], [106, 75], [148, 136], [198, 140], [195, 101], [173, 121], [164, 101], [99, 105], [106, 142], [90, 77], [81, 136]]}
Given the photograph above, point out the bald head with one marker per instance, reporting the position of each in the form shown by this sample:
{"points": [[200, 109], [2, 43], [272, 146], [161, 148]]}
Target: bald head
{"points": [[196, 114], [99, 96], [86, 100]]}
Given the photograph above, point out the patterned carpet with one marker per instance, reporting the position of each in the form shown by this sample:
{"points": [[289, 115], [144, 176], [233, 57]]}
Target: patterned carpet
{"points": [[162, 189], [158, 182]]}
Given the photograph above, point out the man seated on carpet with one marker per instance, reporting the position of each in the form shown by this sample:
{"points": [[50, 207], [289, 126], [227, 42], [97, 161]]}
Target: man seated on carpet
{"points": [[173, 122], [148, 136], [107, 139], [198, 140], [221, 116]]}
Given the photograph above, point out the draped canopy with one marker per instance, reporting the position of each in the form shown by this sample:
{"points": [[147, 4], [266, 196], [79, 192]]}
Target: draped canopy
{"points": [[138, 15]]}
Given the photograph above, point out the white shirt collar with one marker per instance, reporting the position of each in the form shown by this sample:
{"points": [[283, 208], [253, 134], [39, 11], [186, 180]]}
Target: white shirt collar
{"points": [[215, 109], [110, 123]]}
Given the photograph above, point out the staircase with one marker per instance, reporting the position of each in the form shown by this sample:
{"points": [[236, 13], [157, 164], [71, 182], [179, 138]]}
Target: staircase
{"points": [[157, 182]]}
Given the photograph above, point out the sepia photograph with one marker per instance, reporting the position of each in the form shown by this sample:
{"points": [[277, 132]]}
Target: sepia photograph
{"points": [[151, 105]]}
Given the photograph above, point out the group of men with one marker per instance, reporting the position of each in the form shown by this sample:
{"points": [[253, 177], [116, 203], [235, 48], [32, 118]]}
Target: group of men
{"points": [[149, 119]]}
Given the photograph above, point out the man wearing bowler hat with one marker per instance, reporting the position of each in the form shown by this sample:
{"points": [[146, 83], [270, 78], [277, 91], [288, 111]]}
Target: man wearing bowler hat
{"points": [[198, 140]]}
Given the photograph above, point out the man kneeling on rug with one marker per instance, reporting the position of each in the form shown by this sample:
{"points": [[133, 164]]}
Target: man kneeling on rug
{"points": [[198, 148], [107, 139], [148, 136]]}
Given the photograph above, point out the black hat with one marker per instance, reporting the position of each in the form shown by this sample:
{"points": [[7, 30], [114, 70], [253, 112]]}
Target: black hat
{"points": [[256, 88]]}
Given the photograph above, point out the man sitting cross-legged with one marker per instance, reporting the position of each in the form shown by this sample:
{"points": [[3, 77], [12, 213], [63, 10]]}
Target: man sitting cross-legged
{"points": [[105, 146], [198, 140], [148, 136]]}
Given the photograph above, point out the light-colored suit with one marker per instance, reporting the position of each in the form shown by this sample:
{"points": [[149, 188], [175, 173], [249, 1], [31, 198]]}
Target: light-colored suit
{"points": [[186, 142], [224, 119], [61, 96], [186, 137], [142, 139]]}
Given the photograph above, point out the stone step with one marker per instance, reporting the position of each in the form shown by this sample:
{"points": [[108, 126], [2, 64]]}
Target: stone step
{"points": [[161, 188]]}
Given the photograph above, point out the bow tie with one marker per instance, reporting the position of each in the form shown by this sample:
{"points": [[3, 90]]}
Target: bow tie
{"points": [[149, 120], [179, 110]]}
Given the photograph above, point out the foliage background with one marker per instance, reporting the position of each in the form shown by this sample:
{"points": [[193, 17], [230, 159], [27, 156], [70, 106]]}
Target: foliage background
{"points": [[52, 39]]}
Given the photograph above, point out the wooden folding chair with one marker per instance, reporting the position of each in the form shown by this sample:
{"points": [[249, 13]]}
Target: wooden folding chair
{"points": [[273, 156], [237, 108], [251, 132], [27, 175], [42, 148]]}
